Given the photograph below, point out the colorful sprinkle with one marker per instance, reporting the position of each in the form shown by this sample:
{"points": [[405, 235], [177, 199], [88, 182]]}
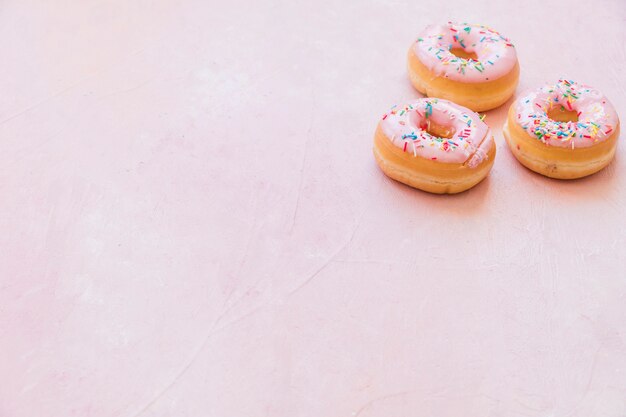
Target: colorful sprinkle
{"points": [[594, 122], [437, 42]]}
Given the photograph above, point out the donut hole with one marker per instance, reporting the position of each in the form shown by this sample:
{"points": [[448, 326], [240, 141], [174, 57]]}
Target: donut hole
{"points": [[441, 131], [462, 53], [561, 114], [431, 127]]}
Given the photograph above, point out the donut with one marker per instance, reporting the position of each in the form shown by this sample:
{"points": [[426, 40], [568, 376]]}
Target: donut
{"points": [[434, 145], [471, 65], [565, 130]]}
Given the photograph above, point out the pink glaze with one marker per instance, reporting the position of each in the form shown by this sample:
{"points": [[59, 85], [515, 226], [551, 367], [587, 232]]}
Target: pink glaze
{"points": [[407, 128], [496, 54], [596, 115]]}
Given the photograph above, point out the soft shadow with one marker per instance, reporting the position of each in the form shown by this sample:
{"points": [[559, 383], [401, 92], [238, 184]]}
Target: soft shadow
{"points": [[496, 117], [467, 203], [598, 186]]}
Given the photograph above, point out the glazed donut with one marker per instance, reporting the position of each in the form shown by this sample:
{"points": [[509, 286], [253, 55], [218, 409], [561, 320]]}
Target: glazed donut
{"points": [[434, 145], [471, 65], [566, 130]]}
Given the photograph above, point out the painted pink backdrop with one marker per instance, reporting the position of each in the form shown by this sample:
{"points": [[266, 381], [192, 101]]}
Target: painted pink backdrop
{"points": [[193, 223]]}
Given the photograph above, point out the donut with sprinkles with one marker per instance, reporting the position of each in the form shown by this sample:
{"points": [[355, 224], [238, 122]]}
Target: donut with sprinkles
{"points": [[434, 145], [563, 130], [472, 65]]}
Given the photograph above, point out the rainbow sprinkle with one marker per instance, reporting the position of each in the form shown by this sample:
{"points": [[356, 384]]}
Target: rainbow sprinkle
{"points": [[488, 45], [595, 121], [413, 123]]}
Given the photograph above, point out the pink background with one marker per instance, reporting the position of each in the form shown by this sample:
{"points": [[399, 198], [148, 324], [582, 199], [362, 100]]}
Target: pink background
{"points": [[193, 223]]}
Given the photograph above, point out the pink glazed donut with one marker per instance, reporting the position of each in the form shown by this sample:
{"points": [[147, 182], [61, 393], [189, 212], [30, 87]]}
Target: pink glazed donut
{"points": [[471, 65], [434, 145], [564, 130]]}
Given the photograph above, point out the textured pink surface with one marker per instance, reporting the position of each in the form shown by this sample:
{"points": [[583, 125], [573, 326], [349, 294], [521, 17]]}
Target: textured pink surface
{"points": [[193, 223]]}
